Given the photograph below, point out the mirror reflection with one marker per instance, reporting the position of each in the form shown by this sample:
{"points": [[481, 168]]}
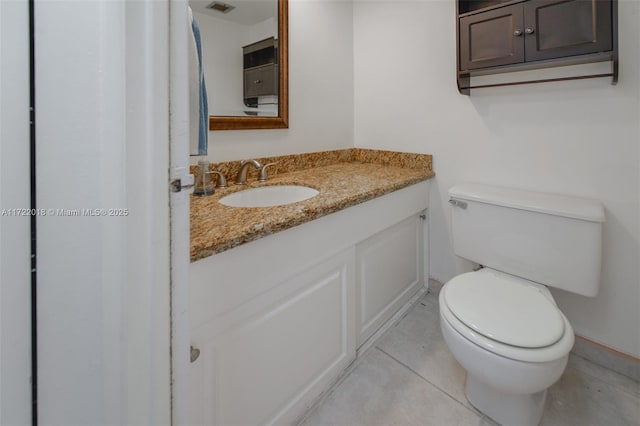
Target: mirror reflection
{"points": [[241, 56]]}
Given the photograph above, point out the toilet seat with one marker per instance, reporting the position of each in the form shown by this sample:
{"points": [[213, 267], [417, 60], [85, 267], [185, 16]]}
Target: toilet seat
{"points": [[506, 315], [505, 308]]}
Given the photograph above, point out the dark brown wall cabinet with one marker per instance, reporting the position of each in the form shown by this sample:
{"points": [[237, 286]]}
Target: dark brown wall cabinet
{"points": [[501, 36]]}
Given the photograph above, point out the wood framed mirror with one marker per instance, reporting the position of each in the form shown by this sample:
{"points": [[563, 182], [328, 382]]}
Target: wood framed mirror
{"points": [[247, 119]]}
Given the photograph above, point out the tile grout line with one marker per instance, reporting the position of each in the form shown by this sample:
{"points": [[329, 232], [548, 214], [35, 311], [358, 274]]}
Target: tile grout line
{"points": [[428, 381], [366, 347], [392, 322], [324, 396]]}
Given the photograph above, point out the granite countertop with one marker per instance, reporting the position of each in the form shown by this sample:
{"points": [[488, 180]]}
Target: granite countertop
{"points": [[362, 177]]}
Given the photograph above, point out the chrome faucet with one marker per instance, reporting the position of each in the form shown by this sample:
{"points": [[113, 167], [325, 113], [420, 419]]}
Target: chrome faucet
{"points": [[241, 178]]}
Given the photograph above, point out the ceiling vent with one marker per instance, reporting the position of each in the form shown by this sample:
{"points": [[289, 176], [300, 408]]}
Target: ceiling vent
{"points": [[221, 7]]}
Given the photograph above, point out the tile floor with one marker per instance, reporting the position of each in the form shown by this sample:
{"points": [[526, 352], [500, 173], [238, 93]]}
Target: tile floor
{"points": [[409, 377]]}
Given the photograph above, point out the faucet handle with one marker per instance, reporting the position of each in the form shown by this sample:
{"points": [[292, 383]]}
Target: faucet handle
{"points": [[263, 172], [222, 181]]}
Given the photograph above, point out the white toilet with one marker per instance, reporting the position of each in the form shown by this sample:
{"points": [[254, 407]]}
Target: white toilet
{"points": [[501, 322]]}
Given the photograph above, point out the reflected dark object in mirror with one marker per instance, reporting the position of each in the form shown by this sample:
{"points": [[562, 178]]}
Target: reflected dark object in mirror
{"points": [[260, 53], [260, 74]]}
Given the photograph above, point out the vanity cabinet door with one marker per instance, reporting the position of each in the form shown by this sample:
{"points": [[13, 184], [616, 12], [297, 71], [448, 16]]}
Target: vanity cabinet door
{"points": [[264, 361], [389, 271], [261, 81], [561, 28], [492, 38]]}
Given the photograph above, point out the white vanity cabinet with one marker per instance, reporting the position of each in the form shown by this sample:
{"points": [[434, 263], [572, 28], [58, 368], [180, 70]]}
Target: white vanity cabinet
{"points": [[278, 320]]}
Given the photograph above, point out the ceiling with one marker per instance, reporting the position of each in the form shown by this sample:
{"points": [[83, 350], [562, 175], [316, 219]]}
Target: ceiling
{"points": [[246, 12]]}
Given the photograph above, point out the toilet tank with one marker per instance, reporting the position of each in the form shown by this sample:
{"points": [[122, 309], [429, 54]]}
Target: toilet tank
{"points": [[552, 239]]}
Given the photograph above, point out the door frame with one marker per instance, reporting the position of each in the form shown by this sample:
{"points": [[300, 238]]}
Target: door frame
{"points": [[179, 44]]}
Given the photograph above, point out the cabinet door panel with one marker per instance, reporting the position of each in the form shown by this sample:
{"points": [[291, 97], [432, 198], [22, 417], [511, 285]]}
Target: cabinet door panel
{"points": [[265, 361], [268, 81], [567, 28], [488, 39], [261, 81], [251, 81]]}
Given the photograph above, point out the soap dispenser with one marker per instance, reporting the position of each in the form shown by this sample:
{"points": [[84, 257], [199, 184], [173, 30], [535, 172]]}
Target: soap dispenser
{"points": [[203, 181]]}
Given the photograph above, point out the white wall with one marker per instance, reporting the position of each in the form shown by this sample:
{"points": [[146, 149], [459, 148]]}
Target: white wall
{"points": [[578, 137], [320, 88], [15, 232], [261, 30], [222, 43]]}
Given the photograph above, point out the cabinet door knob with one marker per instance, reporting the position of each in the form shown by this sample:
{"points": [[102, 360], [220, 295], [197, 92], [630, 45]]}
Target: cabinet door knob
{"points": [[529, 30], [517, 33], [194, 353]]}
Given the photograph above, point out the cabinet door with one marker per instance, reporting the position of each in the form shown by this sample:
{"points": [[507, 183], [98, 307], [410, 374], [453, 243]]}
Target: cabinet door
{"points": [[560, 28], [492, 38], [268, 81], [261, 81], [389, 270], [265, 361], [251, 81]]}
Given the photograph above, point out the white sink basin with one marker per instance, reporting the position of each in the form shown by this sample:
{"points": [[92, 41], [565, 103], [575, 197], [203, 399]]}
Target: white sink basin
{"points": [[267, 196]]}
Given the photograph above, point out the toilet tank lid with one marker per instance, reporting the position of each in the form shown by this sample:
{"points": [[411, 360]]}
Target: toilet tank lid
{"points": [[542, 202]]}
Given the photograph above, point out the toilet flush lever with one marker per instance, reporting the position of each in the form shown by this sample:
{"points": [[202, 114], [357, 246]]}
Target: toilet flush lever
{"points": [[458, 203]]}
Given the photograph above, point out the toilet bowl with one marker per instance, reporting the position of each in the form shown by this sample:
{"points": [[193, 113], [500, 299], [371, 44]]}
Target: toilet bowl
{"points": [[509, 372], [501, 322]]}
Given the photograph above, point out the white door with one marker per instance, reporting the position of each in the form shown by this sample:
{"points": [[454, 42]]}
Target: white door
{"points": [[102, 143], [15, 269], [102, 139]]}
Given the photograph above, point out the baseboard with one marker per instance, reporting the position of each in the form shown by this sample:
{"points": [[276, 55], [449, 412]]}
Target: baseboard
{"points": [[607, 357]]}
